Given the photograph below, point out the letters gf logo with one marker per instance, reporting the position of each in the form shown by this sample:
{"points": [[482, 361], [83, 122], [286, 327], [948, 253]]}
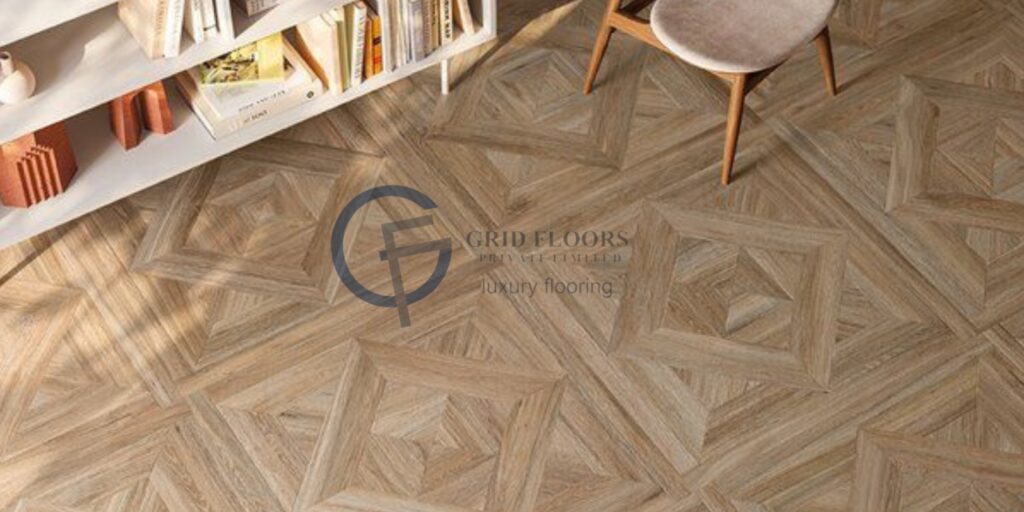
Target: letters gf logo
{"points": [[392, 253]]}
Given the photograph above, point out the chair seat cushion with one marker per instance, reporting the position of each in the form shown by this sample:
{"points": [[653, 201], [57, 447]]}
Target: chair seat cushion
{"points": [[738, 36]]}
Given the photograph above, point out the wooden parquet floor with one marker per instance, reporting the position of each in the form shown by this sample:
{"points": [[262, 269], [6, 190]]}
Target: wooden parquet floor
{"points": [[841, 329]]}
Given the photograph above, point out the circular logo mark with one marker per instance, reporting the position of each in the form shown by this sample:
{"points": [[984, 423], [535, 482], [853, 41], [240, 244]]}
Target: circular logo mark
{"points": [[392, 253]]}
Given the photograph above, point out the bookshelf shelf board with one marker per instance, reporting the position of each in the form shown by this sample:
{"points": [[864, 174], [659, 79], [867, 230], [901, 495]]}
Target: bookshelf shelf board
{"points": [[108, 173], [24, 18], [93, 59]]}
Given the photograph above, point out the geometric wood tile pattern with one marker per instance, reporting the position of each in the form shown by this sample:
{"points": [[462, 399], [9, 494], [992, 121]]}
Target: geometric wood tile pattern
{"points": [[707, 289], [841, 329]]}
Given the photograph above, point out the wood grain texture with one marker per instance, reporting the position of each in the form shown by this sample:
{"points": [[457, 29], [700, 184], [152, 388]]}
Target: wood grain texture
{"points": [[841, 329]]}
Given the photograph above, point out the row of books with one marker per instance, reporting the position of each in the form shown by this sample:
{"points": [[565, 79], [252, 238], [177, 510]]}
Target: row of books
{"points": [[343, 45], [351, 43], [337, 50], [157, 25]]}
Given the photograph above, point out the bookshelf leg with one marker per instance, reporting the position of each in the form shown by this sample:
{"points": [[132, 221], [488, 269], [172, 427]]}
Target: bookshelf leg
{"points": [[444, 77]]}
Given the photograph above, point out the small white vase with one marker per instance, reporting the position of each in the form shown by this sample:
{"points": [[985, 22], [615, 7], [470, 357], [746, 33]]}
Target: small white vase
{"points": [[17, 83]]}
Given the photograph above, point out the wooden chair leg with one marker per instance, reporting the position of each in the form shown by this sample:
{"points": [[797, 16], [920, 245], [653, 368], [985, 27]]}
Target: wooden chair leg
{"points": [[824, 44], [732, 126], [604, 33]]}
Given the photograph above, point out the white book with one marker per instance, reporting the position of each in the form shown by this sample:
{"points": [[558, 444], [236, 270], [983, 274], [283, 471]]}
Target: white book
{"points": [[209, 14], [417, 30], [174, 19], [383, 9], [355, 21], [225, 25], [407, 31], [398, 31], [194, 20]]}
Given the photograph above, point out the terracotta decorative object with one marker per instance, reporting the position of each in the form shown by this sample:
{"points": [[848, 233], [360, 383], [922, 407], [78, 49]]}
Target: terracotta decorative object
{"points": [[17, 82], [36, 167], [143, 107]]}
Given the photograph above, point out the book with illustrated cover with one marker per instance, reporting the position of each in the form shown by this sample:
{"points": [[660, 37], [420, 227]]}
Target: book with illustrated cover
{"points": [[261, 61], [224, 110]]}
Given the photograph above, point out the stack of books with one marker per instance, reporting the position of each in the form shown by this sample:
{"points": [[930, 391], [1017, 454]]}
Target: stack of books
{"points": [[354, 42], [158, 24], [249, 84]]}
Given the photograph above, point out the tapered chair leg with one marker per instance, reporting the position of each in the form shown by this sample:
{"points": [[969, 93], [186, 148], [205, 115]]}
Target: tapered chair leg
{"points": [[732, 125], [824, 44], [604, 33]]}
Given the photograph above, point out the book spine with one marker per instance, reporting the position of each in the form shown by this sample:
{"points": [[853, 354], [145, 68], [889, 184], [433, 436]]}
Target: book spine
{"points": [[225, 26], [368, 46], [358, 41], [402, 23], [344, 52], [222, 126], [172, 32], [378, 46], [266, 110], [428, 25], [387, 55], [194, 20], [447, 23], [209, 14], [416, 30], [435, 24], [160, 29]]}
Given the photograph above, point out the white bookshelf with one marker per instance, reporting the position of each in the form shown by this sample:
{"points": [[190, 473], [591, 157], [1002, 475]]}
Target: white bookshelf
{"points": [[97, 60]]}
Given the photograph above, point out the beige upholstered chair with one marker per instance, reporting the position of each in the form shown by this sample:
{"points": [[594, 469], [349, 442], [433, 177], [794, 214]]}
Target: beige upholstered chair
{"points": [[742, 41]]}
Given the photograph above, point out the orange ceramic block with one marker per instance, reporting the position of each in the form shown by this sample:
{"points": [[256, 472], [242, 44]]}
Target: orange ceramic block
{"points": [[146, 107], [36, 167]]}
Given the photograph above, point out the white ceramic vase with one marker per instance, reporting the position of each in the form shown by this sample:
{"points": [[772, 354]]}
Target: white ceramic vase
{"points": [[17, 83]]}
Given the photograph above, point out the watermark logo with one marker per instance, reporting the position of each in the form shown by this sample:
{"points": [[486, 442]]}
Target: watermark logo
{"points": [[392, 253]]}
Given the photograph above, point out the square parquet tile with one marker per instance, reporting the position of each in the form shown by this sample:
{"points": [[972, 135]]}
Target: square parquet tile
{"points": [[706, 286]]}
